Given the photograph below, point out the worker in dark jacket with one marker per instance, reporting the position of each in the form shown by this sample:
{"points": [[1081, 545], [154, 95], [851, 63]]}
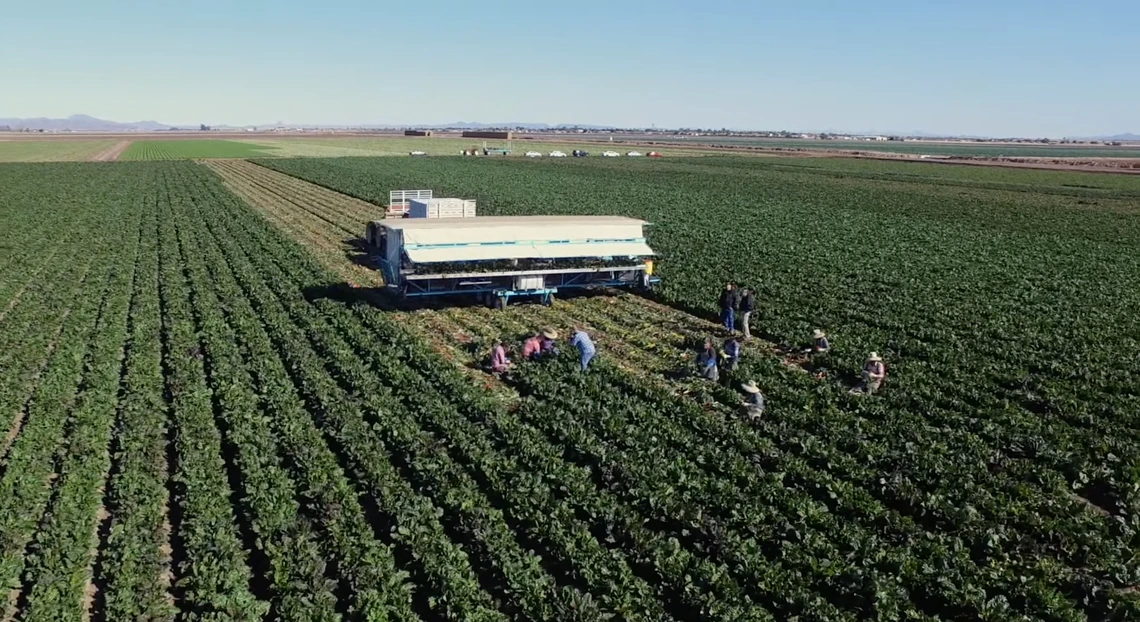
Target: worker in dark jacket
{"points": [[747, 305], [707, 362], [731, 353], [729, 301]]}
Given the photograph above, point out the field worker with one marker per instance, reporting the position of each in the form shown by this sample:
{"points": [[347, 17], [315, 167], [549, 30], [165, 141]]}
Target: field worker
{"points": [[754, 403], [728, 304], [547, 341], [499, 361], [706, 362], [873, 373], [731, 353], [819, 344], [532, 347], [747, 305], [586, 350]]}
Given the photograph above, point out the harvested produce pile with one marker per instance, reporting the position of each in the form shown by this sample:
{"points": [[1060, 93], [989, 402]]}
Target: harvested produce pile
{"points": [[208, 424]]}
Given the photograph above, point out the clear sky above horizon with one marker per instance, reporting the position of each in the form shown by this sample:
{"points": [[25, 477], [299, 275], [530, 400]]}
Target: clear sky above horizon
{"points": [[997, 67]]}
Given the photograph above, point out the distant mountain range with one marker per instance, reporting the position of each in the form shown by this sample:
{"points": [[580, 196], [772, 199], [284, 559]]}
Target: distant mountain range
{"points": [[86, 123], [1120, 137], [82, 123]]}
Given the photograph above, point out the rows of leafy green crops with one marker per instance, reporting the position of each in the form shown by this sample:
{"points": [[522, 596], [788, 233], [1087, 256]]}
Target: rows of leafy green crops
{"points": [[192, 149], [212, 428], [1008, 318]]}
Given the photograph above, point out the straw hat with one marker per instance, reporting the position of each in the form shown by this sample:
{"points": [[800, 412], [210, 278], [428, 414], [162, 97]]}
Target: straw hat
{"points": [[817, 334], [550, 333], [751, 387], [874, 357]]}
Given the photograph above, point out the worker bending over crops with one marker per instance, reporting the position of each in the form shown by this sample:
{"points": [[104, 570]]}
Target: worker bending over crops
{"points": [[747, 305], [754, 403], [585, 345], [731, 353], [706, 362], [500, 364], [532, 347], [729, 301], [819, 343], [546, 344], [874, 371]]}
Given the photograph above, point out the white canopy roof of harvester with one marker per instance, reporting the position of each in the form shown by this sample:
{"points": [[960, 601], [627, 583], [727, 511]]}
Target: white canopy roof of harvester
{"points": [[482, 238]]}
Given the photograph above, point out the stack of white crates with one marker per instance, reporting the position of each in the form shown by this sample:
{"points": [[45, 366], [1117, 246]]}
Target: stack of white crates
{"points": [[441, 208]]}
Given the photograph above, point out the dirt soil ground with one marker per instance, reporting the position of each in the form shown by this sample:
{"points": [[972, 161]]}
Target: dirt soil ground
{"points": [[111, 153]]}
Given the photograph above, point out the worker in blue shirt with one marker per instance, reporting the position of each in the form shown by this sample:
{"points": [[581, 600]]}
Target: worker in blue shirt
{"points": [[579, 339]]}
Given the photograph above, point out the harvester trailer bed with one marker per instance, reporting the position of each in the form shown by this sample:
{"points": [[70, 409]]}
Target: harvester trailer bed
{"points": [[406, 249]]}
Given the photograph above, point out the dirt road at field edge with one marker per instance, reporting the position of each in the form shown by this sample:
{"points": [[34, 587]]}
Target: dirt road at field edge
{"points": [[112, 153]]}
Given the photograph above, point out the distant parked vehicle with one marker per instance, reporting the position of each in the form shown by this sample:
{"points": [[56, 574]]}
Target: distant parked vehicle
{"points": [[578, 153], [533, 154], [633, 154], [610, 154], [557, 154], [653, 154], [418, 153]]}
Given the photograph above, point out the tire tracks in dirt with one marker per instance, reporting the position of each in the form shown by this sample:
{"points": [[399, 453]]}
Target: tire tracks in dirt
{"points": [[112, 153]]}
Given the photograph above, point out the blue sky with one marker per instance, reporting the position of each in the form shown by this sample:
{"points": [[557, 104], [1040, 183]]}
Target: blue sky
{"points": [[996, 67]]}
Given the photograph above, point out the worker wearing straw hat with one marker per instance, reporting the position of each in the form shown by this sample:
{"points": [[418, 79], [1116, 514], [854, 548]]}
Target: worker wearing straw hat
{"points": [[874, 371], [546, 343], [754, 403], [819, 343]]}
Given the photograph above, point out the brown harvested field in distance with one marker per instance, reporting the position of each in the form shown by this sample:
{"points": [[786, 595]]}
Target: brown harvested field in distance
{"points": [[363, 143]]}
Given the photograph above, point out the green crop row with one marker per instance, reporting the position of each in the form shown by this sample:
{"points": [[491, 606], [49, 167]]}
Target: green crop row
{"points": [[211, 427], [1007, 400]]}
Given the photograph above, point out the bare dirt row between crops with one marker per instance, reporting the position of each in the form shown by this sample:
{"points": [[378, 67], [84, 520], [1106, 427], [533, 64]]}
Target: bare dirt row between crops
{"points": [[112, 153], [649, 339]]}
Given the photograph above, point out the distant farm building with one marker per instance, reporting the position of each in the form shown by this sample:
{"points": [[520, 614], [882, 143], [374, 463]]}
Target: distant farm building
{"points": [[417, 132], [495, 135]]}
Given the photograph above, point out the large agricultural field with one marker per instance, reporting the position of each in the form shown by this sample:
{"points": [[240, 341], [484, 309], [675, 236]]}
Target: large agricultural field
{"points": [[47, 151], [928, 147], [216, 416], [191, 149]]}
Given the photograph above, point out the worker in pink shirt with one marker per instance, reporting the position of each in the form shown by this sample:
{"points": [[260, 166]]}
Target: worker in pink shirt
{"points": [[532, 347], [500, 364]]}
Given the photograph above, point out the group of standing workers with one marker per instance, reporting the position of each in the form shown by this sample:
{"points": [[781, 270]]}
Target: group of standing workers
{"points": [[542, 344], [744, 301]]}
